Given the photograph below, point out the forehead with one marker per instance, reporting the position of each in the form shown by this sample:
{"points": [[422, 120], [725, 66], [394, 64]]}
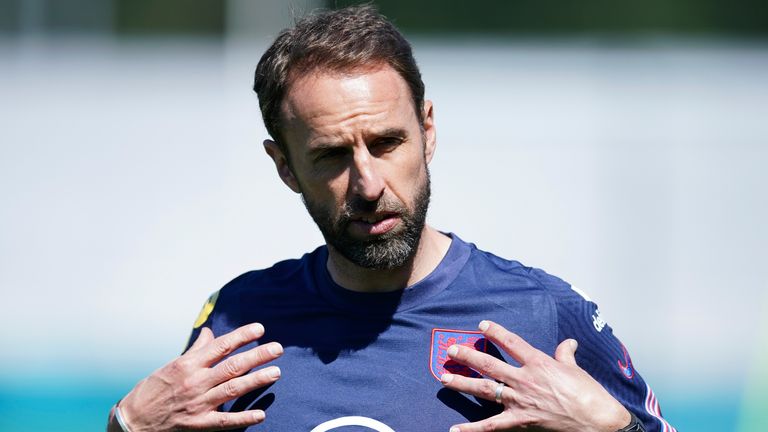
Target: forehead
{"points": [[329, 105]]}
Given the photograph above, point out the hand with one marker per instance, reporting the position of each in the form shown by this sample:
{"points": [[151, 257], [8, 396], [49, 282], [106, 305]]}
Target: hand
{"points": [[184, 394], [544, 393]]}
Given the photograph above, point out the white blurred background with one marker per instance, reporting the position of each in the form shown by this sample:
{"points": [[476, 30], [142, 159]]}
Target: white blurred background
{"points": [[134, 184]]}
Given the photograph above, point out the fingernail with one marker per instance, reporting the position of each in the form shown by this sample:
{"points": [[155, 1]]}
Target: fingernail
{"points": [[273, 372], [574, 344], [453, 350], [258, 415], [257, 329], [454, 429], [483, 326], [275, 349], [446, 378]]}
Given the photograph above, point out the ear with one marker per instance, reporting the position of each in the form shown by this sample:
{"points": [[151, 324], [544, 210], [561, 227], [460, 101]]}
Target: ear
{"points": [[281, 163], [430, 134]]}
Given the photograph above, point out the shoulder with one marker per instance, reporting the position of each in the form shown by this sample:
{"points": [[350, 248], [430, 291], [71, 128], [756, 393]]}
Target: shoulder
{"points": [[573, 308], [282, 276], [576, 316], [535, 278], [287, 279]]}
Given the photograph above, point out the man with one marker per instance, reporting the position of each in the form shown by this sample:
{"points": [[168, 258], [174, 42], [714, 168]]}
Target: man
{"points": [[378, 329]]}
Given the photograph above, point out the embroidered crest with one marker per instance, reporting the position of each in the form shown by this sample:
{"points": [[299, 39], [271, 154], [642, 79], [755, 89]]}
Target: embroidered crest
{"points": [[442, 339], [206, 310]]}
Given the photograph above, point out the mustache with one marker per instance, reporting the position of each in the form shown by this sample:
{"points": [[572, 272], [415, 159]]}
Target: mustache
{"points": [[359, 206]]}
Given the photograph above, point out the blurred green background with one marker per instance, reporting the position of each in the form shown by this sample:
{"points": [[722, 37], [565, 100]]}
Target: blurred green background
{"points": [[747, 18]]}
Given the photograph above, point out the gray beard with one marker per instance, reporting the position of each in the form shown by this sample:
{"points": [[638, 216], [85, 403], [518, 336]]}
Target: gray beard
{"points": [[390, 250]]}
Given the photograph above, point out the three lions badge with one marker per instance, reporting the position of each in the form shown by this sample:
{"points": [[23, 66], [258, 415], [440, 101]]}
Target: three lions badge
{"points": [[442, 339]]}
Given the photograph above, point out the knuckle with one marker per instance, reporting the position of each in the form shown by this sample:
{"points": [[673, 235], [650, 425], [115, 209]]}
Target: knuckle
{"points": [[258, 355], [490, 425], [262, 355], [489, 388], [527, 421], [488, 365], [233, 367], [224, 422], [180, 367], [231, 390], [510, 339], [191, 410], [222, 346], [186, 385]]}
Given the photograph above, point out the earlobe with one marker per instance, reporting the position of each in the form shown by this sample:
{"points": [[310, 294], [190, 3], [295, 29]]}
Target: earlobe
{"points": [[281, 164], [430, 134]]}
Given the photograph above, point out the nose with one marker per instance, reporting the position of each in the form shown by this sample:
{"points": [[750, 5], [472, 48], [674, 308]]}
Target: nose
{"points": [[365, 179]]}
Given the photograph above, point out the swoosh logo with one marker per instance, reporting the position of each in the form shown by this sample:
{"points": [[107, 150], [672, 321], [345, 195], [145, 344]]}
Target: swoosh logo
{"points": [[626, 367]]}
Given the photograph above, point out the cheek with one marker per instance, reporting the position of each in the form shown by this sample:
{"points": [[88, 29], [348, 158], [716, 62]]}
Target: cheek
{"points": [[330, 197], [411, 172], [415, 167], [318, 186]]}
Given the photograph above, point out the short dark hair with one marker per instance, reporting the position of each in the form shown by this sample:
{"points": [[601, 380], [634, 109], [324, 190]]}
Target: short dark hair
{"points": [[338, 41]]}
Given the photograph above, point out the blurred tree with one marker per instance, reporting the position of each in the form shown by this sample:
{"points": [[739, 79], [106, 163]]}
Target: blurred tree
{"points": [[744, 17], [209, 17], [203, 17]]}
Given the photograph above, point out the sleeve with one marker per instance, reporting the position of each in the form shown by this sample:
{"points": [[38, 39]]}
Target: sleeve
{"points": [[601, 354], [204, 319]]}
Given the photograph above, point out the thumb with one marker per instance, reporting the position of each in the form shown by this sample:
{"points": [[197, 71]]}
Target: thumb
{"points": [[566, 351]]}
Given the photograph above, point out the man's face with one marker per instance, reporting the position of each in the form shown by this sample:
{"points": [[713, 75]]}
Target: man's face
{"points": [[359, 158]]}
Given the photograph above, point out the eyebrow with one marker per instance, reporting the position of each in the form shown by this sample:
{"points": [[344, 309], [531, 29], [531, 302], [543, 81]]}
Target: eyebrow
{"points": [[331, 144], [398, 132]]}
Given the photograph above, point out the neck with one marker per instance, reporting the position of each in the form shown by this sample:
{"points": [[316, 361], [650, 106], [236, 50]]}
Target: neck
{"points": [[432, 247]]}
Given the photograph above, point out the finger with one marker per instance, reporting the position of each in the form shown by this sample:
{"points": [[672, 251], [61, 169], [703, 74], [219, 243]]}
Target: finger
{"points": [[566, 351], [480, 387], [218, 348], [216, 420], [482, 362], [205, 336], [243, 362], [499, 422], [237, 387], [511, 343]]}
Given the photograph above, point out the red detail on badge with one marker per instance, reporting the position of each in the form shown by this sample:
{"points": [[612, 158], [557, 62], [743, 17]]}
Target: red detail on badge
{"points": [[442, 339]]}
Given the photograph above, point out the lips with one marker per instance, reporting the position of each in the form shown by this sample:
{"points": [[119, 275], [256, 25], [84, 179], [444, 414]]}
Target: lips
{"points": [[374, 224]]}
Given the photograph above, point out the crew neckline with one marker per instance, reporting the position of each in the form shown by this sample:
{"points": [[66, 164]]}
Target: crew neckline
{"points": [[393, 301]]}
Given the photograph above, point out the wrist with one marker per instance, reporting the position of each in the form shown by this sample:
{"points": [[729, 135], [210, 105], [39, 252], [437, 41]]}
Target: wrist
{"points": [[112, 424], [634, 425], [615, 419], [117, 420]]}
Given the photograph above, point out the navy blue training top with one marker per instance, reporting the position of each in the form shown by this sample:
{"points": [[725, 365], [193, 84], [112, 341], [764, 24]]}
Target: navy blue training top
{"points": [[372, 361]]}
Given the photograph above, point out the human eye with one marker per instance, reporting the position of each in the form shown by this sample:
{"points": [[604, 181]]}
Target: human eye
{"points": [[330, 154], [386, 144]]}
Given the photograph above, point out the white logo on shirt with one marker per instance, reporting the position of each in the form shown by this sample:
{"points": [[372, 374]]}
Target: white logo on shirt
{"points": [[598, 321], [352, 421]]}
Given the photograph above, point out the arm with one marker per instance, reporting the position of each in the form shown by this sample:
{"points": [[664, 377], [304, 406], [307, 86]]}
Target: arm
{"points": [[184, 394]]}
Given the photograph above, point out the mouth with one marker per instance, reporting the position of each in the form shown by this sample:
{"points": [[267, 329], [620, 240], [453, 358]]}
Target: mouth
{"points": [[374, 223]]}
